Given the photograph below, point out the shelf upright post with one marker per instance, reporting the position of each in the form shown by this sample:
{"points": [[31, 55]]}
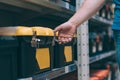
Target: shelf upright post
{"points": [[82, 48]]}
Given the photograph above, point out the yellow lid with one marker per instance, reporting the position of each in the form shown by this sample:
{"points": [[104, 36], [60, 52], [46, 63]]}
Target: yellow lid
{"points": [[43, 31], [7, 31], [39, 30], [56, 33], [21, 30], [49, 31]]}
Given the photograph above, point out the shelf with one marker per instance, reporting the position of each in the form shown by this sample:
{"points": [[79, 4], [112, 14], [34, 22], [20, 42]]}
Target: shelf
{"points": [[102, 20], [55, 73], [26, 11], [99, 24], [101, 56], [41, 6], [67, 69], [34, 5]]}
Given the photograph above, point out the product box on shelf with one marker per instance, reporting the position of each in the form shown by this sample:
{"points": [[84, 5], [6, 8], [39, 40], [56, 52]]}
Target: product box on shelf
{"points": [[63, 54], [25, 51], [35, 51], [8, 55], [107, 11]]}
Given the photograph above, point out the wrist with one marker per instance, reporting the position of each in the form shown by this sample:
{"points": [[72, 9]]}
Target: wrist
{"points": [[73, 24]]}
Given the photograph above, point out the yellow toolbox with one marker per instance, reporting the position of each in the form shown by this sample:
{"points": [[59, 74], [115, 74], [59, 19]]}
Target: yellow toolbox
{"points": [[63, 54], [35, 50]]}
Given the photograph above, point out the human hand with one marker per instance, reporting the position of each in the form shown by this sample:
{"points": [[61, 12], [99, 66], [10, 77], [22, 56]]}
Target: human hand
{"points": [[65, 32]]}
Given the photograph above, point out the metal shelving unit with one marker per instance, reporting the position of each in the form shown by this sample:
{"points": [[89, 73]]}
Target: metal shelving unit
{"points": [[102, 20], [30, 9], [37, 8], [67, 69], [101, 56], [48, 9]]}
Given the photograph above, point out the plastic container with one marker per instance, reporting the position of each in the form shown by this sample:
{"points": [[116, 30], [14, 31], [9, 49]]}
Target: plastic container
{"points": [[44, 52], [35, 52], [63, 54], [8, 56]]}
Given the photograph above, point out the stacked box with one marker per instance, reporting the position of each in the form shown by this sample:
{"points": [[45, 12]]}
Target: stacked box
{"points": [[8, 56]]}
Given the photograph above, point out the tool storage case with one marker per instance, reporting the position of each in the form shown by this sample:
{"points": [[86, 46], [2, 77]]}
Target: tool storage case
{"points": [[64, 54], [35, 51], [8, 56]]}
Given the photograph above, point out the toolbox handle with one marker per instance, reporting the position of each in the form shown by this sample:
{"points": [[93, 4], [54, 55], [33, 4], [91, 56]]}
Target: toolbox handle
{"points": [[54, 39]]}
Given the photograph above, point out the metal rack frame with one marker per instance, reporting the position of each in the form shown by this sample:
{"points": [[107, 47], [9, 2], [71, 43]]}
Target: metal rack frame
{"points": [[83, 49]]}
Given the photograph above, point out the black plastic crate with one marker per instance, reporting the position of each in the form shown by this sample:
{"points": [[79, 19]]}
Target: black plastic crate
{"points": [[8, 58], [63, 54], [34, 53]]}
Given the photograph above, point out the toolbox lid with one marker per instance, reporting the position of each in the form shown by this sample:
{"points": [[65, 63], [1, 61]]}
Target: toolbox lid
{"points": [[39, 30], [7, 31], [43, 31], [25, 31], [22, 31], [49, 31], [15, 31]]}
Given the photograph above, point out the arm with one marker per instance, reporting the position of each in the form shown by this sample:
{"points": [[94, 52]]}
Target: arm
{"points": [[67, 29], [88, 9]]}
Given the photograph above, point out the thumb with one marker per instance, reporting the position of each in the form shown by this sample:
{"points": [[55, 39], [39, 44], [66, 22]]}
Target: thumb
{"points": [[57, 29]]}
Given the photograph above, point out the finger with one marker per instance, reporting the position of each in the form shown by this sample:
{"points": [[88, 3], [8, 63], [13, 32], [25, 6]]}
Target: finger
{"points": [[70, 39], [60, 39], [66, 40], [60, 36], [60, 42], [63, 39]]}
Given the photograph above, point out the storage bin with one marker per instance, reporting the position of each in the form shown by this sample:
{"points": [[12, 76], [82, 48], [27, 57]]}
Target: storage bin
{"points": [[8, 56], [63, 54], [34, 52], [44, 54]]}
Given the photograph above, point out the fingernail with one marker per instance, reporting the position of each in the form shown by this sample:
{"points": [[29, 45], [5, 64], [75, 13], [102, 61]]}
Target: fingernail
{"points": [[59, 42]]}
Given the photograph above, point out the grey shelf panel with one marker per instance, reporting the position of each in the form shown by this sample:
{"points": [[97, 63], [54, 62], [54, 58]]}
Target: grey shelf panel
{"points": [[67, 69], [55, 73], [101, 56], [101, 21], [36, 8], [41, 6]]}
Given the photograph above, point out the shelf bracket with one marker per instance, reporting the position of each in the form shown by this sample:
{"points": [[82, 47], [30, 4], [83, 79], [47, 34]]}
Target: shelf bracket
{"points": [[82, 48]]}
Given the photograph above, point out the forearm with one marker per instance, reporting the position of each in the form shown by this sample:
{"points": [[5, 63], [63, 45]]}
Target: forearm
{"points": [[87, 10]]}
